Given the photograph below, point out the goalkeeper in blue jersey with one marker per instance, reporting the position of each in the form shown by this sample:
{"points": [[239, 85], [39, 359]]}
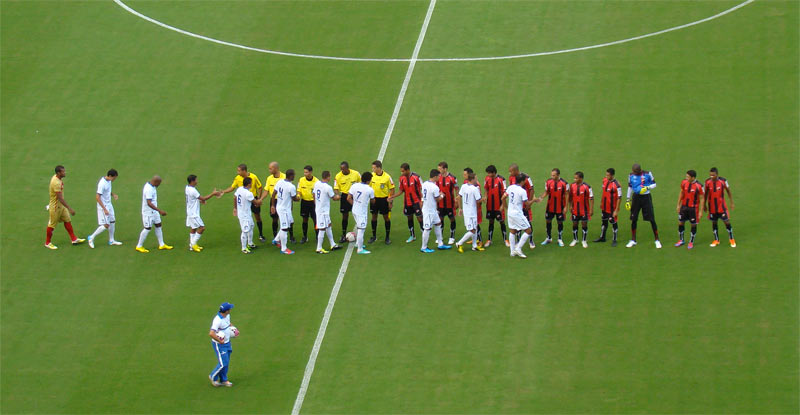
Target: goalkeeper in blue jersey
{"points": [[640, 183]]}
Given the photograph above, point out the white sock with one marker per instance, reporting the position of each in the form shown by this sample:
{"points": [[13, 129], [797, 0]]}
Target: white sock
{"points": [[329, 232], [464, 238], [191, 239], [360, 239], [111, 228], [522, 241], [250, 237], [197, 238], [320, 238], [284, 236], [426, 234], [243, 238], [437, 229], [97, 231], [142, 237], [475, 242], [512, 239], [159, 236]]}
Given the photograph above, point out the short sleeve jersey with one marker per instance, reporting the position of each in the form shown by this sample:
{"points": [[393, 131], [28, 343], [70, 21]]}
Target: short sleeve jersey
{"points": [[612, 192], [716, 195], [192, 202], [382, 184], [149, 192], [516, 197], [244, 200], [556, 195], [691, 191], [272, 181], [430, 191], [581, 195], [323, 192], [411, 187], [495, 187], [238, 181], [447, 186], [306, 188], [104, 190], [470, 195], [284, 191], [362, 194], [220, 323], [342, 182], [56, 186]]}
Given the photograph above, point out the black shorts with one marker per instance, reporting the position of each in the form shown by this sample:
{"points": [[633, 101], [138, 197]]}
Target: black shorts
{"points": [[494, 214], [381, 205], [688, 213], [255, 209], [412, 210], [645, 204], [447, 212], [344, 205], [558, 216], [307, 209], [576, 218], [718, 216], [609, 217]]}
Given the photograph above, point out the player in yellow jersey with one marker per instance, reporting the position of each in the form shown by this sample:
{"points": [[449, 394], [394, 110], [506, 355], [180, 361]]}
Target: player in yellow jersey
{"points": [[383, 186], [274, 177], [341, 186], [305, 189], [59, 209], [255, 188]]}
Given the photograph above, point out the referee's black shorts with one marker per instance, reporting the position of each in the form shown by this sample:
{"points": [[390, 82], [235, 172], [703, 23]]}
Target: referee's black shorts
{"points": [[645, 204], [345, 206], [307, 209]]}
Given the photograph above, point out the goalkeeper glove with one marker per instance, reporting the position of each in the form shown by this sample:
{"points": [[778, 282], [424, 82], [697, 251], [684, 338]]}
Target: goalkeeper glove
{"points": [[644, 190], [628, 205]]}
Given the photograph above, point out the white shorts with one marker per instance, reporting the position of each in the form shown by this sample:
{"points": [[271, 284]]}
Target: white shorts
{"points": [[149, 219], [194, 222], [429, 220], [102, 219], [323, 220], [518, 222], [246, 223], [471, 223], [285, 219], [361, 221]]}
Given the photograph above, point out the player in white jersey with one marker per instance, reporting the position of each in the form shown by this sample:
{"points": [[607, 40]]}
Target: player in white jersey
{"points": [[323, 194], [360, 196], [517, 204], [242, 202], [431, 195], [151, 214], [469, 196], [282, 197], [105, 210], [193, 220]]}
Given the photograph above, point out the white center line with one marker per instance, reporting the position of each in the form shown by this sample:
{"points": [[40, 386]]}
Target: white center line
{"points": [[312, 359]]}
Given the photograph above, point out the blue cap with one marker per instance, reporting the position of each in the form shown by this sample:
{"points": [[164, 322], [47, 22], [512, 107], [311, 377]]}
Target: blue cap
{"points": [[225, 307]]}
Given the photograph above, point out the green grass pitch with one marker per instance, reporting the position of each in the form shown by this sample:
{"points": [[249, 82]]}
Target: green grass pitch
{"points": [[88, 85]]}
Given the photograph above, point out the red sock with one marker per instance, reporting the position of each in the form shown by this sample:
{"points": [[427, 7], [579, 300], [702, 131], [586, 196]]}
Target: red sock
{"points": [[68, 226], [49, 235]]}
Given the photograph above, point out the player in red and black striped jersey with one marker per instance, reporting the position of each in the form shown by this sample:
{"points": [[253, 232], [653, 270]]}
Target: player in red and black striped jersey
{"points": [[467, 172], [527, 184], [410, 186], [715, 190], [448, 186], [495, 186], [609, 205], [581, 204], [689, 207], [555, 188]]}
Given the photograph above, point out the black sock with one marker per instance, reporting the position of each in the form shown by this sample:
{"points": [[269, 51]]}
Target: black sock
{"points": [[305, 229], [616, 228], [603, 228], [560, 229], [694, 232], [549, 230], [655, 229], [291, 231], [585, 232], [491, 229], [633, 230], [681, 229], [730, 230], [503, 229], [715, 227], [274, 228], [575, 232], [480, 235], [260, 229], [453, 229], [374, 228], [345, 217], [388, 226]]}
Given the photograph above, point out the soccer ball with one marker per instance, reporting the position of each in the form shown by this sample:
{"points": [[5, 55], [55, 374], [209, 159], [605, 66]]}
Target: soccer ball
{"points": [[351, 236], [231, 332], [221, 334]]}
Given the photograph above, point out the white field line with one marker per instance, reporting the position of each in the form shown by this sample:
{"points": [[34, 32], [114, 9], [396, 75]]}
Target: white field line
{"points": [[120, 3], [312, 359]]}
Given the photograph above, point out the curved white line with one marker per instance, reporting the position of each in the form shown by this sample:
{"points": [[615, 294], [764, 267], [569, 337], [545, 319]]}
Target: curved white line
{"points": [[482, 58]]}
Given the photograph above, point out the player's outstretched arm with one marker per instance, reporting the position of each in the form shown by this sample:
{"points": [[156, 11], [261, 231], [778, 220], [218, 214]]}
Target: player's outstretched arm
{"points": [[212, 194], [228, 190]]}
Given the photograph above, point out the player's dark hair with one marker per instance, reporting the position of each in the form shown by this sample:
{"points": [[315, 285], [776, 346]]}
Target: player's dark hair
{"points": [[714, 170], [691, 173], [326, 174], [290, 174], [366, 177], [557, 170], [470, 175], [345, 164], [636, 168], [491, 169], [434, 173], [519, 179], [309, 168], [246, 181], [611, 170], [469, 171], [579, 174], [443, 164], [405, 166], [378, 164], [189, 179], [243, 167], [59, 168], [112, 173]]}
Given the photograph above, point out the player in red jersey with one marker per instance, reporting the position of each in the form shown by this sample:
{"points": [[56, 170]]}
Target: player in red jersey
{"points": [[581, 204], [410, 185], [448, 186], [527, 184], [689, 207], [716, 187], [467, 172], [555, 188], [495, 186], [609, 205]]}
